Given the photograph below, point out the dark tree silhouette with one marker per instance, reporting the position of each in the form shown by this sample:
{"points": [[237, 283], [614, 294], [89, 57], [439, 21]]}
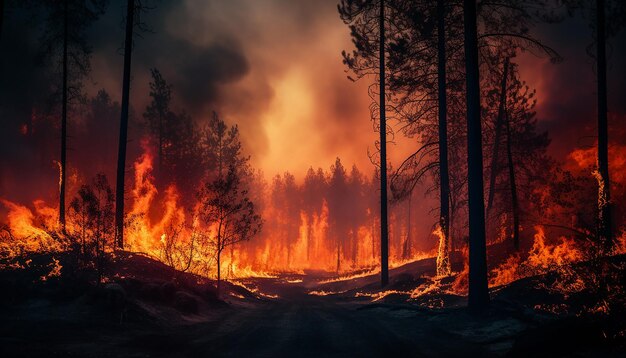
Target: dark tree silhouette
{"points": [[224, 199], [64, 41], [92, 211], [384, 225], [478, 296], [121, 155], [312, 201], [338, 208], [64, 120], [158, 112], [225, 204], [444, 181], [605, 24], [605, 231], [369, 59]]}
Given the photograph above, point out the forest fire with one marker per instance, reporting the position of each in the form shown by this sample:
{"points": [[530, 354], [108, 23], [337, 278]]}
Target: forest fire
{"points": [[219, 188], [541, 258]]}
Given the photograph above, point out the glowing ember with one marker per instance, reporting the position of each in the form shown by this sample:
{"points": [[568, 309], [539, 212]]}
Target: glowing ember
{"points": [[326, 293]]}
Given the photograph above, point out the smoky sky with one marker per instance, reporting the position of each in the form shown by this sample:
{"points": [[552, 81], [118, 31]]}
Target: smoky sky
{"points": [[567, 94], [273, 67]]}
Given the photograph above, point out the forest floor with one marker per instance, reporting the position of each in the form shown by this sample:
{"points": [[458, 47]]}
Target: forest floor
{"points": [[273, 317]]}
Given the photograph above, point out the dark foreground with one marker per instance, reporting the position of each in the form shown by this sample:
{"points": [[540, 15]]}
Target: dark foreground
{"points": [[295, 324]]}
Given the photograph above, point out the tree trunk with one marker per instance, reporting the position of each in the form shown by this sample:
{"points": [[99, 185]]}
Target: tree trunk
{"points": [[121, 154], [309, 231], [493, 173], [478, 297], [355, 245], [338, 255], [230, 263], [444, 181], [219, 271], [384, 229], [406, 248], [159, 171], [514, 202], [63, 121], [605, 232]]}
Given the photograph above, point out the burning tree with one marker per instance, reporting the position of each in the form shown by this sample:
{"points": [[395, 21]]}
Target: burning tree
{"points": [[227, 210], [91, 213], [224, 204]]}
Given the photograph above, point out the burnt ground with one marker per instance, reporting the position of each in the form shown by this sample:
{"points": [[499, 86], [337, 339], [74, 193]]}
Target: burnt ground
{"points": [[140, 316]]}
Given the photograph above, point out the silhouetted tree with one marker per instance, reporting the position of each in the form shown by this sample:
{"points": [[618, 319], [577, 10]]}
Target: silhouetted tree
{"points": [[158, 111], [370, 57], [224, 199], [225, 205], [605, 230], [357, 214], [313, 193], [221, 149], [65, 45], [123, 138], [478, 296], [338, 207], [92, 213], [384, 235]]}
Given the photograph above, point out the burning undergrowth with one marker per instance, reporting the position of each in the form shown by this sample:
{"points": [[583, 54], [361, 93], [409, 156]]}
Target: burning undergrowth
{"points": [[561, 276]]}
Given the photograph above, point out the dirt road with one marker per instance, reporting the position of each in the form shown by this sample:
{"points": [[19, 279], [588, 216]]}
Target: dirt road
{"points": [[294, 325]]}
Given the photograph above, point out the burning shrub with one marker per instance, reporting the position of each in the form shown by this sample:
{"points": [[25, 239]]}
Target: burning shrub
{"points": [[91, 231], [541, 258]]}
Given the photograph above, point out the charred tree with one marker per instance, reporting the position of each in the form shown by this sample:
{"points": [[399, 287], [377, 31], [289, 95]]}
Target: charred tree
{"points": [[384, 229], [605, 232], [406, 246], [121, 155], [66, 52], [63, 120], [478, 296], [444, 181]]}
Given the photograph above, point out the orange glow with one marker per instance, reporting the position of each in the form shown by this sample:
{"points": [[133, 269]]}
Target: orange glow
{"points": [[443, 253], [541, 258]]}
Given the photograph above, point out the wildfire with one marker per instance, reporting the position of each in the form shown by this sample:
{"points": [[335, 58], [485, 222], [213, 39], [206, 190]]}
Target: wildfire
{"points": [[540, 259], [325, 293], [28, 231], [376, 270], [443, 253]]}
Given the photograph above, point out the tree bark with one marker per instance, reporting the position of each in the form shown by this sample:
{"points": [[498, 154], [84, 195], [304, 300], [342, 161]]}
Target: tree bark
{"points": [[338, 255], [514, 202], [478, 297], [219, 269], [64, 121], [406, 248], [121, 154], [444, 181], [384, 229], [605, 232]]}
